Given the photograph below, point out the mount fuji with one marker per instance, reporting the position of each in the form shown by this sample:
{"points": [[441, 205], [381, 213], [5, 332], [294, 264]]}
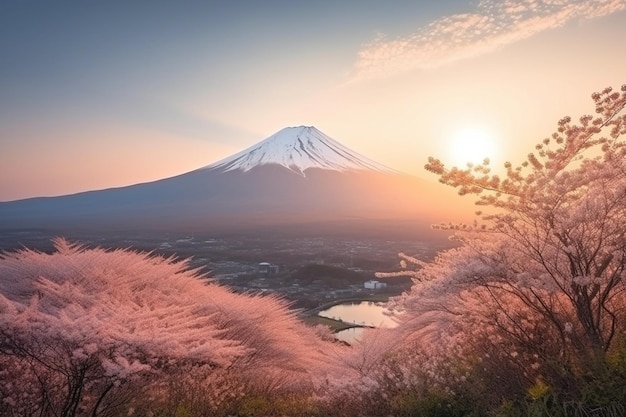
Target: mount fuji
{"points": [[299, 149], [297, 180]]}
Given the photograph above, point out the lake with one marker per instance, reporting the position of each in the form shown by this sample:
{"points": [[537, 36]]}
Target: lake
{"points": [[366, 313]]}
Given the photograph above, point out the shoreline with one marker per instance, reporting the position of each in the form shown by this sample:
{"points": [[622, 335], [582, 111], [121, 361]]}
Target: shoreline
{"points": [[312, 318]]}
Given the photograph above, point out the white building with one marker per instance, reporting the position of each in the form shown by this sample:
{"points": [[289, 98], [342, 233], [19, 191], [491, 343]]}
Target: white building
{"points": [[375, 285], [267, 269]]}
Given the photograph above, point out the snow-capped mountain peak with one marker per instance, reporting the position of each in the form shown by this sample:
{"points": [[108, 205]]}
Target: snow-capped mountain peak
{"points": [[298, 149]]}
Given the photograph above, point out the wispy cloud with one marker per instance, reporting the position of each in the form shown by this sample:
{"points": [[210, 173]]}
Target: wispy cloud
{"points": [[492, 24]]}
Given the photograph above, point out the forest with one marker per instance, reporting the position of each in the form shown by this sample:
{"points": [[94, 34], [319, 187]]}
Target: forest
{"points": [[526, 316]]}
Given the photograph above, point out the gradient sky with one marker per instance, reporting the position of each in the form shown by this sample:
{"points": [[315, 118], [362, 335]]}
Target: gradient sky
{"points": [[112, 93]]}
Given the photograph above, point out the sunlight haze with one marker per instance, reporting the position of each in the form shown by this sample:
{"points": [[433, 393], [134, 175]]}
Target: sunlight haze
{"points": [[98, 95]]}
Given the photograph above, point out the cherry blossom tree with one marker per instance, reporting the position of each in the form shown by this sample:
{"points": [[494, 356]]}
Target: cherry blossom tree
{"points": [[95, 332], [539, 278]]}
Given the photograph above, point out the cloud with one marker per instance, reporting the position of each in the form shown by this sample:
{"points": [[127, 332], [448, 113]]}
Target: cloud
{"points": [[493, 24]]}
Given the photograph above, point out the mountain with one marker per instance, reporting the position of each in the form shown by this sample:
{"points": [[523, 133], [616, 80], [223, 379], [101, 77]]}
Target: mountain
{"points": [[297, 180], [299, 149]]}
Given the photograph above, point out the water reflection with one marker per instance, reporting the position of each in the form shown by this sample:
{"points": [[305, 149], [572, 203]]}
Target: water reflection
{"points": [[365, 313], [350, 335]]}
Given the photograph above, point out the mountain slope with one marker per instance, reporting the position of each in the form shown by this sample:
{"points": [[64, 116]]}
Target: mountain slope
{"points": [[298, 149], [298, 179]]}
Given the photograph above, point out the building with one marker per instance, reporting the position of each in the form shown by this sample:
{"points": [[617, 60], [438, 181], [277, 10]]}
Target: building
{"points": [[266, 269], [375, 285]]}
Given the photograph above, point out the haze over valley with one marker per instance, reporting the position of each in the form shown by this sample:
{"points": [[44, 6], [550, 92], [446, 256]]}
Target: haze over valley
{"points": [[295, 199]]}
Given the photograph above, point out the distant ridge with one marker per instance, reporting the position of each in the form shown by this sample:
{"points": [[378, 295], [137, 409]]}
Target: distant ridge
{"points": [[298, 149]]}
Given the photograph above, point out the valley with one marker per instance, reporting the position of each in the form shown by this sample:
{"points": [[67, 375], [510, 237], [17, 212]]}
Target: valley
{"points": [[308, 271], [297, 215]]}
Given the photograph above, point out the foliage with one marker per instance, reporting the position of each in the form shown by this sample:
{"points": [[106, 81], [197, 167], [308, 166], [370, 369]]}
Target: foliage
{"points": [[534, 296], [97, 332], [525, 317]]}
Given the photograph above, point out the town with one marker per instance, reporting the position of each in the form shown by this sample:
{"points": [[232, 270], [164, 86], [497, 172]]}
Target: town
{"points": [[308, 271]]}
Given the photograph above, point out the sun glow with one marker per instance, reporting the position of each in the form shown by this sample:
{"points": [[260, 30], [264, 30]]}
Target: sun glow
{"points": [[471, 145]]}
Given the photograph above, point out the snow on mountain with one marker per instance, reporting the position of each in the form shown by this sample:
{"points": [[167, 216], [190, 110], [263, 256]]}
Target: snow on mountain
{"points": [[298, 149]]}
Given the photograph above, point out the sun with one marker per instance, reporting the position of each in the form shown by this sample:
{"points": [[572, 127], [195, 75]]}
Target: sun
{"points": [[471, 145]]}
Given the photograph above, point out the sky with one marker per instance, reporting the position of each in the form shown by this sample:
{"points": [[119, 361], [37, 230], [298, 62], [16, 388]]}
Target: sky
{"points": [[105, 94]]}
